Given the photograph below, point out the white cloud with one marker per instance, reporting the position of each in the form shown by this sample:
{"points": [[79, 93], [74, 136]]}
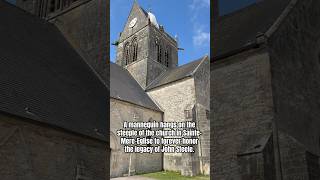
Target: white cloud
{"points": [[201, 38], [198, 4]]}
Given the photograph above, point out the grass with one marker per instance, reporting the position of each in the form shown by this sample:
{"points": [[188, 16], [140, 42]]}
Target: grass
{"points": [[169, 175]]}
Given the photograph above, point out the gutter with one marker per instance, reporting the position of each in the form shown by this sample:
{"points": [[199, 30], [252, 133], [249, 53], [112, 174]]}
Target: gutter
{"points": [[260, 39]]}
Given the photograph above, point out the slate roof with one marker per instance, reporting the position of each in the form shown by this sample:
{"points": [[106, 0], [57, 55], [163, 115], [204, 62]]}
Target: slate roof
{"points": [[42, 78], [239, 29], [176, 74], [124, 87]]}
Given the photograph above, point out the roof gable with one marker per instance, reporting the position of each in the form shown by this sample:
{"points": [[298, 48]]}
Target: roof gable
{"points": [[141, 17]]}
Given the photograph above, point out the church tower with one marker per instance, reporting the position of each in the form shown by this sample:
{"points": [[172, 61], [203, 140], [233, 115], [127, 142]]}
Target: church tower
{"points": [[49, 9], [144, 48], [83, 23]]}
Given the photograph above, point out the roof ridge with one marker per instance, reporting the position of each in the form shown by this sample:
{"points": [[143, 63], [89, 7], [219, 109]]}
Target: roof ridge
{"points": [[84, 56], [175, 74], [202, 60], [162, 74], [281, 18]]}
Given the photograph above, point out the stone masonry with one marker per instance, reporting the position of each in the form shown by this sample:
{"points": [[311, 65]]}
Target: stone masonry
{"points": [[265, 101]]}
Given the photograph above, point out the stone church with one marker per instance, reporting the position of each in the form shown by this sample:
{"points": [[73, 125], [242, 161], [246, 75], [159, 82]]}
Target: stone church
{"points": [[146, 84], [53, 90], [265, 91]]}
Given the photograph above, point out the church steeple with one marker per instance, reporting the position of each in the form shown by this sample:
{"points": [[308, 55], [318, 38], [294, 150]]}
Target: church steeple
{"points": [[144, 48], [48, 8]]}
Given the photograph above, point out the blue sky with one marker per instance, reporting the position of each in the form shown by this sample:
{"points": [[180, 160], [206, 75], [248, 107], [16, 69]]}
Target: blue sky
{"points": [[227, 6], [189, 19], [12, 1]]}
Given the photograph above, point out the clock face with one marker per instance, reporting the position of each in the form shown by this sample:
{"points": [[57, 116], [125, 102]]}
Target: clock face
{"points": [[133, 22]]}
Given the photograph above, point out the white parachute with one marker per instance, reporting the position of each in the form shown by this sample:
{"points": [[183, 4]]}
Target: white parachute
{"points": [[153, 19]]}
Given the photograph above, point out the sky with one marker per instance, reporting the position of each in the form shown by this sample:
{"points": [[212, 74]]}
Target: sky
{"points": [[12, 1], [227, 6], [188, 19]]}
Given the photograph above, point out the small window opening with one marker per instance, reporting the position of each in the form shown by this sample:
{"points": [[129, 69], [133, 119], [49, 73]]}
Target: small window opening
{"points": [[207, 114], [187, 114], [52, 5], [134, 50], [166, 57], [158, 48], [127, 53]]}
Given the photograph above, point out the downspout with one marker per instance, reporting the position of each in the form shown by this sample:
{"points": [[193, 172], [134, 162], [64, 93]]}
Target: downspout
{"points": [[262, 38], [199, 144]]}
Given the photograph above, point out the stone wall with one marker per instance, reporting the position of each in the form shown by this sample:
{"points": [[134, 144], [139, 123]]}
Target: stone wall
{"points": [[293, 158], [202, 92], [34, 151], [155, 69], [241, 109], [203, 149], [86, 28], [138, 71], [121, 111], [174, 99], [142, 37], [142, 21], [165, 40], [202, 83], [295, 66]]}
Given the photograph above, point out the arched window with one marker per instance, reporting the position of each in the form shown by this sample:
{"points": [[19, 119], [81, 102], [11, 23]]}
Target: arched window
{"points": [[52, 5], [134, 51], [127, 53], [166, 57], [158, 48]]}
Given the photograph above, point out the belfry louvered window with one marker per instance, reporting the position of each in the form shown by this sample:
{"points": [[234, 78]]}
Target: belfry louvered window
{"points": [[134, 49], [52, 5], [158, 49], [55, 5], [166, 57], [127, 53]]}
